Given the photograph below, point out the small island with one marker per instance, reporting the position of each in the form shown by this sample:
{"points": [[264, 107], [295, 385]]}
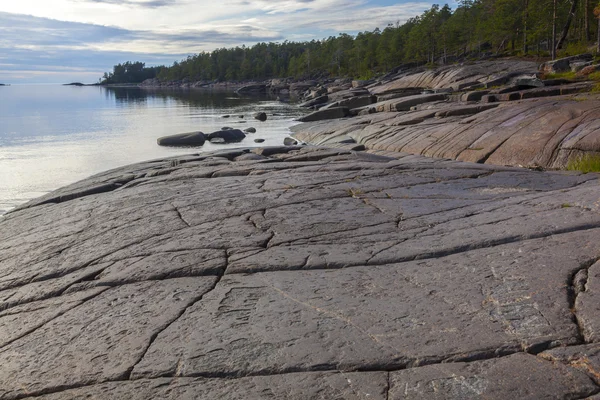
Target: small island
{"points": [[74, 84]]}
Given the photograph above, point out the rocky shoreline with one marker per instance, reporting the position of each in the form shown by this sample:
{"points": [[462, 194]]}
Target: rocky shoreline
{"points": [[501, 112], [319, 272]]}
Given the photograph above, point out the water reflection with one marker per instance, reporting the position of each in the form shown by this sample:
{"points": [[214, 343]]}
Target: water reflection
{"points": [[201, 98]]}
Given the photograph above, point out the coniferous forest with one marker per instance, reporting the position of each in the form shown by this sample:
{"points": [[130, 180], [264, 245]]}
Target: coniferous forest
{"points": [[440, 35]]}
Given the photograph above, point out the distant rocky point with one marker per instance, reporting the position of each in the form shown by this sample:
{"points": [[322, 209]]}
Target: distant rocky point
{"points": [[74, 84]]}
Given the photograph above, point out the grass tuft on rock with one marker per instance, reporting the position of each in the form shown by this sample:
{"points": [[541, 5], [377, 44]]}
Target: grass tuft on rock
{"points": [[586, 163], [571, 75]]}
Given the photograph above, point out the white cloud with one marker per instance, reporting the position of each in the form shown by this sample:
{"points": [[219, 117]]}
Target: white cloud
{"points": [[349, 15], [96, 34]]}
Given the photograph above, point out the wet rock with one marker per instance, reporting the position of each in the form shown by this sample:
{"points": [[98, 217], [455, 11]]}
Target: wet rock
{"points": [[227, 136], [259, 140], [183, 139], [250, 157], [250, 130], [290, 141], [261, 116]]}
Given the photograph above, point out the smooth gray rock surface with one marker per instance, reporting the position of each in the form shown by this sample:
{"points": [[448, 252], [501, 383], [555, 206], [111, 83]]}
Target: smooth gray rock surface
{"points": [[299, 386], [303, 272], [510, 377]]}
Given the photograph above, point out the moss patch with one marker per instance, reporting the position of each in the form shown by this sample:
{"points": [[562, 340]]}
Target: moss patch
{"points": [[586, 163]]}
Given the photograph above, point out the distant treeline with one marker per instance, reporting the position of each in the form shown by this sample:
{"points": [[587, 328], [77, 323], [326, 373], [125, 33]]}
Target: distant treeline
{"points": [[439, 35], [130, 72]]}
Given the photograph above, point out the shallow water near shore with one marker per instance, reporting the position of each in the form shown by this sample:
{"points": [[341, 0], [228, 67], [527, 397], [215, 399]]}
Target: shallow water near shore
{"points": [[51, 135]]}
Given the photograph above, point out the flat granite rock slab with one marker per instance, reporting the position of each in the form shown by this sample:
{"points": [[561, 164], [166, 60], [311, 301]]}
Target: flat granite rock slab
{"points": [[97, 341], [518, 376], [379, 317], [297, 386], [293, 275]]}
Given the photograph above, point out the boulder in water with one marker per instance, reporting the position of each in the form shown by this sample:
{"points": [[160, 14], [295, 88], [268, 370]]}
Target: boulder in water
{"points": [[261, 116], [228, 136], [183, 139]]}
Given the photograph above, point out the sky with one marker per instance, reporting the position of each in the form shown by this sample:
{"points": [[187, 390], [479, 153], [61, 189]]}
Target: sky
{"points": [[61, 41]]}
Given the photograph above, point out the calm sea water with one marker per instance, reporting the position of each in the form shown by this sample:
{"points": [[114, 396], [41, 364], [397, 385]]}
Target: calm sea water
{"points": [[51, 136]]}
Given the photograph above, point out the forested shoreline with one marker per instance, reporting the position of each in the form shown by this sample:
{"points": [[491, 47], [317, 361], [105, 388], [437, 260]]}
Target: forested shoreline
{"points": [[440, 35]]}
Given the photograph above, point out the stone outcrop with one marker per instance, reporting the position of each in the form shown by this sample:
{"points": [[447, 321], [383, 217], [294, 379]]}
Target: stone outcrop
{"points": [[303, 273], [496, 112], [461, 77], [546, 133], [565, 64]]}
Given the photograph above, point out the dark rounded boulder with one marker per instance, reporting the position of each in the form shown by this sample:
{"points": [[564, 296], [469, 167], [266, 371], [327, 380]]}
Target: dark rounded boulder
{"points": [[228, 136], [288, 141], [250, 130], [183, 139], [261, 116], [259, 140]]}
